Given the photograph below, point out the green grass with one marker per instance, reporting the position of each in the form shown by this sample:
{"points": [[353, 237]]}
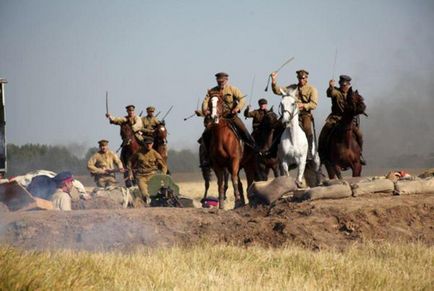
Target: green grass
{"points": [[362, 267]]}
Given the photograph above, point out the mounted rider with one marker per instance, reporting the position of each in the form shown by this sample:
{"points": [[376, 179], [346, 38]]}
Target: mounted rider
{"points": [[233, 103], [132, 119], [150, 122], [307, 96], [257, 115], [339, 103]]}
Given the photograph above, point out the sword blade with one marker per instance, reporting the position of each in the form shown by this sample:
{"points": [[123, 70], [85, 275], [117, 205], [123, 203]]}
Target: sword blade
{"points": [[106, 102], [284, 64]]}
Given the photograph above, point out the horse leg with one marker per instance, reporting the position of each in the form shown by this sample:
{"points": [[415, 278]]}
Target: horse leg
{"points": [[206, 174], [300, 173], [285, 168], [226, 183], [234, 175], [337, 170], [357, 169], [241, 190], [330, 170], [220, 182]]}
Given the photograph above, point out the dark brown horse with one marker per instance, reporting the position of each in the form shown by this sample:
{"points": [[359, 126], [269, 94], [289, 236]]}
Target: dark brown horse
{"points": [[160, 141], [227, 153], [265, 136], [342, 150], [130, 145]]}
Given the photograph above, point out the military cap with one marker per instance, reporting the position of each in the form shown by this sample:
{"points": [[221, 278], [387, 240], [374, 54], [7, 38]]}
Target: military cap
{"points": [[301, 73], [262, 101], [221, 74], [130, 106], [148, 140], [344, 78], [63, 177], [150, 108], [103, 142]]}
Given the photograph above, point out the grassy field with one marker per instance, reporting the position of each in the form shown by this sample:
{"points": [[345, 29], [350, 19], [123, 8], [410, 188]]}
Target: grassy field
{"points": [[366, 267]]}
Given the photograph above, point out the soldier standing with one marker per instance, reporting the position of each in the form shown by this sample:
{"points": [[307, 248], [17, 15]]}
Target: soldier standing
{"points": [[132, 119], [145, 164], [233, 103], [339, 103], [102, 165], [257, 115], [308, 98], [150, 122]]}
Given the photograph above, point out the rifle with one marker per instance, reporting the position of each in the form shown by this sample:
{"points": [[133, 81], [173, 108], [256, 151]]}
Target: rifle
{"points": [[277, 71]]}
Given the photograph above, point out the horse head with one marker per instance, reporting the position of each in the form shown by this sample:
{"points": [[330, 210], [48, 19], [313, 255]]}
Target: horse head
{"points": [[216, 106], [270, 119], [356, 104], [288, 106], [127, 132], [160, 134]]}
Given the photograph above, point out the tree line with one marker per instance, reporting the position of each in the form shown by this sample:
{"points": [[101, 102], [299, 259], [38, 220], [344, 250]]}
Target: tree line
{"points": [[56, 158]]}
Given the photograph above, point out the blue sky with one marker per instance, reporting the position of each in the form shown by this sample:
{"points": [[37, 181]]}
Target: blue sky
{"points": [[61, 56]]}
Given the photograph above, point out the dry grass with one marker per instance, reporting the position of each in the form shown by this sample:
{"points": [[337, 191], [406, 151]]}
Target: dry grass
{"points": [[366, 267]]}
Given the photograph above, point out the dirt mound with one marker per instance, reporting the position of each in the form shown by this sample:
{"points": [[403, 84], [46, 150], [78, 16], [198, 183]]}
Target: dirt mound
{"points": [[316, 225], [96, 203]]}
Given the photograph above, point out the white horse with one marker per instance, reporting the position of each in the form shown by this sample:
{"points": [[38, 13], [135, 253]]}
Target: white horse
{"points": [[293, 147]]}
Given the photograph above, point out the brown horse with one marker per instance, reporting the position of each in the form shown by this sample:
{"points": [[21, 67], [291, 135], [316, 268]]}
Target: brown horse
{"points": [[130, 145], [225, 152], [265, 136], [160, 141], [342, 150]]}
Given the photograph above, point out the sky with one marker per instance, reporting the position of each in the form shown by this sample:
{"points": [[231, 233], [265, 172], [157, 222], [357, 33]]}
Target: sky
{"points": [[60, 57]]}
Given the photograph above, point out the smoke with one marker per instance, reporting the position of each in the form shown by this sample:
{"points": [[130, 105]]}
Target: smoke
{"points": [[400, 126]]}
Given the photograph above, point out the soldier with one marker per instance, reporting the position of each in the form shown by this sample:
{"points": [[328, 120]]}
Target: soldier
{"points": [[150, 122], [339, 102], [308, 98], [61, 199], [145, 164], [132, 119], [257, 115], [233, 103], [102, 165]]}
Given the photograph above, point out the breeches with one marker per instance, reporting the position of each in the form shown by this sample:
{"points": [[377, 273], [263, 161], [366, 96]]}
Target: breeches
{"points": [[306, 123], [142, 182], [105, 181]]}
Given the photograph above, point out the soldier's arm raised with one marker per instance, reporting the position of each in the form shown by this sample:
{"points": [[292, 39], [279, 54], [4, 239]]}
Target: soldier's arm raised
{"points": [[118, 120], [332, 91], [276, 88]]}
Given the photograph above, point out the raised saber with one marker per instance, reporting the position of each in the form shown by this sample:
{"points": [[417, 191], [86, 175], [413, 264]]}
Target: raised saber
{"points": [[277, 71], [251, 89], [106, 103], [334, 64], [168, 111]]}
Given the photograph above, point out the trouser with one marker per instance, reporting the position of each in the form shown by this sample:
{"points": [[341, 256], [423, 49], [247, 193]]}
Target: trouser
{"points": [[242, 129], [142, 182], [305, 120], [105, 181]]}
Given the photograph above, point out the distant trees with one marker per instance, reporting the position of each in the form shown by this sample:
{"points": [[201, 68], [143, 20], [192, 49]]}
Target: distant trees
{"points": [[29, 157]]}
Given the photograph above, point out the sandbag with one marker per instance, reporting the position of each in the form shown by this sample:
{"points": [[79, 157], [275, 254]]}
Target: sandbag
{"points": [[329, 192], [377, 185], [120, 195], [269, 191], [421, 186], [349, 180]]}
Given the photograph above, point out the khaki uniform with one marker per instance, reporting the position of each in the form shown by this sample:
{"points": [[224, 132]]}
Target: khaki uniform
{"points": [[257, 115], [149, 124], [100, 162], [144, 164], [339, 102], [61, 200], [232, 99], [135, 122], [308, 95]]}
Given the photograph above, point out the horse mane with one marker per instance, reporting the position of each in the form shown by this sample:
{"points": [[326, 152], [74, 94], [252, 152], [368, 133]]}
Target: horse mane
{"points": [[356, 103]]}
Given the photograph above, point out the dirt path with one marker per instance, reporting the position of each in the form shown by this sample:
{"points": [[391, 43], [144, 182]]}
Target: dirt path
{"points": [[316, 225]]}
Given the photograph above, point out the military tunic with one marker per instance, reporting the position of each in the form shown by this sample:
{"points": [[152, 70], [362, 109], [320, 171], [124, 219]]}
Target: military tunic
{"points": [[135, 122], [100, 162], [61, 200], [257, 115], [144, 164], [232, 97], [308, 95], [149, 124]]}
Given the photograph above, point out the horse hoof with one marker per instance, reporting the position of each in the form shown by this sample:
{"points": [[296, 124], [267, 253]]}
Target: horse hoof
{"points": [[238, 204], [221, 204], [299, 184]]}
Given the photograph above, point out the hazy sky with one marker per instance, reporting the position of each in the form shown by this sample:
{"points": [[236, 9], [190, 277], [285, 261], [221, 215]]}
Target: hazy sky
{"points": [[60, 57]]}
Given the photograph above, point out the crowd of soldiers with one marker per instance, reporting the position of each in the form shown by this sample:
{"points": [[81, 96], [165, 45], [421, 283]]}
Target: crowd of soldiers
{"points": [[146, 162]]}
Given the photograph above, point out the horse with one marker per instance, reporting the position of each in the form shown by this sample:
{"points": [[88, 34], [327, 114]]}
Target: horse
{"points": [[160, 141], [293, 147], [225, 152], [264, 136], [130, 145], [342, 150]]}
